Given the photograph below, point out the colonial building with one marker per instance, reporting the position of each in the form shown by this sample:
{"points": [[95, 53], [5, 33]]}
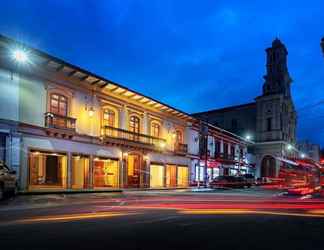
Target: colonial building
{"points": [[270, 121], [65, 128]]}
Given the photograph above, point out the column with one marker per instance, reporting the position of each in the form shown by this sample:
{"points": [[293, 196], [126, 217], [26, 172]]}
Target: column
{"points": [[121, 171], [145, 124], [91, 168], [221, 146], [69, 171], [123, 116]]}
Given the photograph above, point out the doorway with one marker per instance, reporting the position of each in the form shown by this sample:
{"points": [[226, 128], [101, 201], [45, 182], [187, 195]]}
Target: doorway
{"points": [[134, 171]]}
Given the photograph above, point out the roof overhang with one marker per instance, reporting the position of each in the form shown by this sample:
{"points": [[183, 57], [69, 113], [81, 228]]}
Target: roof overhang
{"points": [[54, 64]]}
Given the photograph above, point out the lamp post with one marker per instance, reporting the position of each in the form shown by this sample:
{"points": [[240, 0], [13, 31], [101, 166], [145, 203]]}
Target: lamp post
{"points": [[322, 45]]}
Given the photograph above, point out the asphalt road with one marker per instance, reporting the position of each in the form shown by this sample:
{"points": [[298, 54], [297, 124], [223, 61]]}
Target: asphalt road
{"points": [[240, 219]]}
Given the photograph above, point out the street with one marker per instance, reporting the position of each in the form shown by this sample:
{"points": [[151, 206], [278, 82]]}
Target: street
{"points": [[231, 219]]}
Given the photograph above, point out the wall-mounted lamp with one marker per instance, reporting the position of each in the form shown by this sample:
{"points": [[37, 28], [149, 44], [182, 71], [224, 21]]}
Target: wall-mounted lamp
{"points": [[91, 111], [20, 56], [162, 145]]}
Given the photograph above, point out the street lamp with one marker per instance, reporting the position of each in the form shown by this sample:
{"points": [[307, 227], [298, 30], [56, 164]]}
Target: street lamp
{"points": [[289, 147], [248, 137], [20, 56], [302, 155]]}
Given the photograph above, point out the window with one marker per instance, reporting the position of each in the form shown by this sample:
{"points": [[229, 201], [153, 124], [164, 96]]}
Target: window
{"points": [[269, 124], [179, 138], [58, 104], [155, 129], [217, 147], [232, 151], [225, 150], [134, 124], [109, 118]]}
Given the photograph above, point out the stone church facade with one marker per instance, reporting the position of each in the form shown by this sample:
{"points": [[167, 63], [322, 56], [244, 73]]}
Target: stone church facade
{"points": [[270, 121]]}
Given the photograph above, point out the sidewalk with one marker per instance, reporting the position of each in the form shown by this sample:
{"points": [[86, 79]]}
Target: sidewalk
{"points": [[21, 202]]}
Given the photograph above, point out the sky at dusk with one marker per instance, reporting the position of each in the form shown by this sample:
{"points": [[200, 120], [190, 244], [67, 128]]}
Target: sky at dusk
{"points": [[193, 55]]}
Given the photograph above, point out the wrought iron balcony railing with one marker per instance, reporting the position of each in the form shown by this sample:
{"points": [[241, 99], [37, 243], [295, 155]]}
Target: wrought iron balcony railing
{"points": [[123, 134], [181, 148], [223, 156], [59, 121]]}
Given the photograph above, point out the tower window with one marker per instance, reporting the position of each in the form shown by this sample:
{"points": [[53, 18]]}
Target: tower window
{"points": [[269, 124]]}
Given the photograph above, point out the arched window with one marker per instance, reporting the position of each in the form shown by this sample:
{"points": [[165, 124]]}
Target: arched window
{"points": [[179, 137], [59, 104], [134, 124], [109, 117], [155, 129]]}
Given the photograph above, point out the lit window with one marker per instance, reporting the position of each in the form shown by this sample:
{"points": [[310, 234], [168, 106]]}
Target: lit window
{"points": [[155, 129], [58, 104], [134, 124], [109, 118], [179, 138]]}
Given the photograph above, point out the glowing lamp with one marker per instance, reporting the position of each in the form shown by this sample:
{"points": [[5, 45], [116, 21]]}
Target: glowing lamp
{"points": [[20, 56], [248, 137], [162, 145], [289, 147], [91, 112], [302, 155]]}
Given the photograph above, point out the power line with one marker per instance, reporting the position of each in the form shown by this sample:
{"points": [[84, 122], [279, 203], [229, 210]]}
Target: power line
{"points": [[311, 106]]}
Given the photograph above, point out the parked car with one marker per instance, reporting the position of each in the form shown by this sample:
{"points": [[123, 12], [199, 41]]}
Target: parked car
{"points": [[230, 182], [249, 178], [8, 180]]}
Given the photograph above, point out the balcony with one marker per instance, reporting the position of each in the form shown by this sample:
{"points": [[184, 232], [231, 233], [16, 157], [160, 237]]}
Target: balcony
{"points": [[225, 157], [122, 136], [180, 148], [59, 122]]}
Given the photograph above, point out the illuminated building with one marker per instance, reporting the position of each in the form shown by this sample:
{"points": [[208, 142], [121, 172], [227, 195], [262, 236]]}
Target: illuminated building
{"points": [[65, 128]]}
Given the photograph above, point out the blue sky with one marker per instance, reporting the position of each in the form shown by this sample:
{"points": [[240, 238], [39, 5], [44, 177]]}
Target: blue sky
{"points": [[194, 55]]}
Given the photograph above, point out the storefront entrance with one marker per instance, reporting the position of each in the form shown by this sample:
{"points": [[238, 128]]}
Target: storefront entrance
{"points": [[106, 173], [47, 169], [183, 175], [80, 171], [156, 176], [134, 171], [171, 176]]}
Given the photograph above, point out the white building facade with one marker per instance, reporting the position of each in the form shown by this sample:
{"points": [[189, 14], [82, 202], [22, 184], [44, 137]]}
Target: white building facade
{"points": [[65, 128]]}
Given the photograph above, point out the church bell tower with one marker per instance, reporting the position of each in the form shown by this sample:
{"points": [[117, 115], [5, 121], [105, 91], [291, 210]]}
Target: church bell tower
{"points": [[276, 116]]}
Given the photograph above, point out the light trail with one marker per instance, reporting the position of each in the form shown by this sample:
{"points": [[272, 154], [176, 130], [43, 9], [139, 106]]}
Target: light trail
{"points": [[72, 217], [247, 212]]}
